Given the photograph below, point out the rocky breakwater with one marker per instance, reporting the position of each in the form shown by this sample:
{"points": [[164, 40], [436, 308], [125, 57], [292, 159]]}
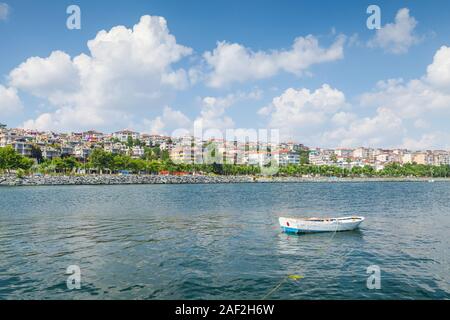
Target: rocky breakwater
{"points": [[50, 180]]}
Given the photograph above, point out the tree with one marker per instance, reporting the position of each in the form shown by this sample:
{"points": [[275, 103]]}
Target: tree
{"points": [[36, 153], [120, 162], [25, 163], [217, 168], [70, 163], [152, 153], [165, 155], [333, 158], [101, 160], [304, 156], [129, 141], [11, 160], [153, 166]]}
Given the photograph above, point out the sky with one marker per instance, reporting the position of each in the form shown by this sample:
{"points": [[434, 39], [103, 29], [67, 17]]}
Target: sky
{"points": [[311, 69]]}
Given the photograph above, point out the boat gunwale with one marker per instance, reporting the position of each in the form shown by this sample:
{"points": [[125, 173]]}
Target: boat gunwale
{"points": [[350, 219]]}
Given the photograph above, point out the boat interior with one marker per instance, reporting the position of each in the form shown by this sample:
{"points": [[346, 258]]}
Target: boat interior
{"points": [[332, 219]]}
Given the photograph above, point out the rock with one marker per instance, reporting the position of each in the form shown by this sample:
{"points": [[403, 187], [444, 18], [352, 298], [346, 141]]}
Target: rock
{"points": [[49, 180]]}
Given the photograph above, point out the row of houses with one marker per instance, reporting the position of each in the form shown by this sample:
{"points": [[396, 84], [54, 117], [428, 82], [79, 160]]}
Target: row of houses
{"points": [[185, 149], [191, 150], [79, 145], [377, 158]]}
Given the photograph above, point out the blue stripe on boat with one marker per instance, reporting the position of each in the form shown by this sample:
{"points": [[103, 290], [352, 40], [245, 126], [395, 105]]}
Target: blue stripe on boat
{"points": [[295, 230], [290, 230]]}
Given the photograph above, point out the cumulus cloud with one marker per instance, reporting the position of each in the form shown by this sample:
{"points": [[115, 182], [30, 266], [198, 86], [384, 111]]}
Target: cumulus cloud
{"points": [[212, 114], [417, 99], [54, 77], [419, 103], [302, 112], [409, 100], [9, 101], [322, 118], [398, 112], [169, 121], [127, 72], [232, 62], [438, 73], [4, 11], [397, 37], [342, 118], [431, 140], [378, 130]]}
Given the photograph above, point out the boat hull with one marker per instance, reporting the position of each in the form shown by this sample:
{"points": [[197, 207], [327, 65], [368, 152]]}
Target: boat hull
{"points": [[293, 225]]}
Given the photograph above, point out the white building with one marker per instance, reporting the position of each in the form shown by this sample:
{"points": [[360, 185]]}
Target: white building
{"points": [[115, 148], [320, 157], [50, 152], [407, 158], [67, 150], [441, 157], [81, 152], [285, 157], [258, 158], [155, 140], [137, 152], [361, 153], [344, 153], [124, 135], [22, 147]]}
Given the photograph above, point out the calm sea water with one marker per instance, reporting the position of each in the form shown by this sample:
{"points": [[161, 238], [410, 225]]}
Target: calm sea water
{"points": [[223, 241]]}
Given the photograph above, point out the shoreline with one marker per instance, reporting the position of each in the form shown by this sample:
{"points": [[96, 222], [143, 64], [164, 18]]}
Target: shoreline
{"points": [[60, 180]]}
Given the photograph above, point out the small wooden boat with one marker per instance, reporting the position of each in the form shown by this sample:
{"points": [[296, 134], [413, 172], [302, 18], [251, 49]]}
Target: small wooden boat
{"points": [[304, 225]]}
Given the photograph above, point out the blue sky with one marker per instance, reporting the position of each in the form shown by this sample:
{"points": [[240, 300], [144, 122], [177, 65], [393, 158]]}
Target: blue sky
{"points": [[325, 93]]}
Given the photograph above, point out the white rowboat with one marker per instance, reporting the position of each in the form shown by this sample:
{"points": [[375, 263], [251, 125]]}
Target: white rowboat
{"points": [[299, 225]]}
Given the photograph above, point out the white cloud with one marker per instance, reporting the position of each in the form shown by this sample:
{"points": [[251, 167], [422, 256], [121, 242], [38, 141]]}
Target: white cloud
{"points": [[421, 124], [378, 130], [438, 73], [9, 101], [53, 77], [422, 104], [320, 118], [396, 113], [127, 72], [303, 113], [232, 62], [397, 37], [418, 99], [409, 100], [212, 114], [432, 140], [169, 121], [4, 11], [343, 118]]}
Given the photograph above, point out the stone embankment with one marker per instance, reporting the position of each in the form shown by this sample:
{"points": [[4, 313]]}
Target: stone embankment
{"points": [[57, 180], [49, 180]]}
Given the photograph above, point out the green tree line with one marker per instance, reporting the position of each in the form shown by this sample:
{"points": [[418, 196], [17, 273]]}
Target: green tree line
{"points": [[390, 170], [155, 161]]}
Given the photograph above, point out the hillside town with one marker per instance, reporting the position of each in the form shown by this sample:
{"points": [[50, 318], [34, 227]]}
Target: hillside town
{"points": [[189, 150]]}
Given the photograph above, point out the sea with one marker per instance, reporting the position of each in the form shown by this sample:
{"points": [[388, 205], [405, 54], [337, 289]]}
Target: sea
{"points": [[223, 241]]}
